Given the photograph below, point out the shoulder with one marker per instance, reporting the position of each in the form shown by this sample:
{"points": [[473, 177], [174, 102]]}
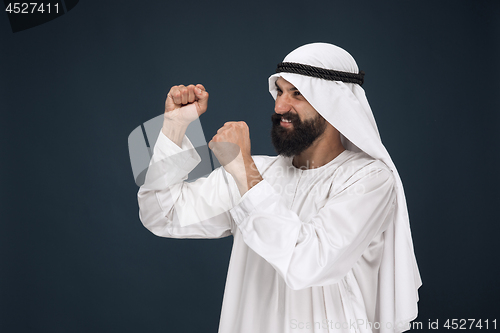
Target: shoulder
{"points": [[364, 162], [361, 167]]}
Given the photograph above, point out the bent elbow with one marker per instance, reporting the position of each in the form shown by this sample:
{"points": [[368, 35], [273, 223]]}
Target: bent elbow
{"points": [[151, 215], [155, 224]]}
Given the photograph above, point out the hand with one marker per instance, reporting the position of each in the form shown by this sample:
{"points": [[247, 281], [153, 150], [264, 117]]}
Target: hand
{"points": [[231, 146], [231, 142], [185, 104]]}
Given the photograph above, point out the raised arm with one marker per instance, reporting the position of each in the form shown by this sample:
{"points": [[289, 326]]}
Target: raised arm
{"points": [[170, 207]]}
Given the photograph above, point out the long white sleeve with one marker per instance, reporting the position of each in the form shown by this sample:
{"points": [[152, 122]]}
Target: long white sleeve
{"points": [[170, 207], [323, 249]]}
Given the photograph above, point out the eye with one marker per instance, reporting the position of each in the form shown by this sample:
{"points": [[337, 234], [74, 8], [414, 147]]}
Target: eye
{"points": [[297, 93], [279, 91]]}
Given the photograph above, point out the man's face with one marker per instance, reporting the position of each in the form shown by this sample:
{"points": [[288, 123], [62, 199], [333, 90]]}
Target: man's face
{"points": [[296, 124]]}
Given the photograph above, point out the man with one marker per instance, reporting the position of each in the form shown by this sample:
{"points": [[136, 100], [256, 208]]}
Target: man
{"points": [[321, 233]]}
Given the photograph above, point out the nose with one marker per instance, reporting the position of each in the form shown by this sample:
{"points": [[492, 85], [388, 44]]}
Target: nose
{"points": [[282, 104]]}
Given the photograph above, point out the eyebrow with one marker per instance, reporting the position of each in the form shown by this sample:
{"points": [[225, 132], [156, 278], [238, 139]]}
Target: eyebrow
{"points": [[291, 89]]}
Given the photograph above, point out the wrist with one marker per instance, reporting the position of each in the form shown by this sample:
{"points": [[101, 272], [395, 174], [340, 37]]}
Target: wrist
{"points": [[253, 176], [175, 131]]}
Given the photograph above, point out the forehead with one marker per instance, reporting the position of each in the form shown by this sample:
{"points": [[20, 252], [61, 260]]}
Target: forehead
{"points": [[284, 84]]}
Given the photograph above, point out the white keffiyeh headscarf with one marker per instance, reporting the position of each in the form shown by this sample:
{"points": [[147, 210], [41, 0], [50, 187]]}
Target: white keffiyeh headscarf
{"points": [[345, 107]]}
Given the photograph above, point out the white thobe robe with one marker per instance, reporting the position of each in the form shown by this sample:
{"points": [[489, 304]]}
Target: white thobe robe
{"points": [[307, 242]]}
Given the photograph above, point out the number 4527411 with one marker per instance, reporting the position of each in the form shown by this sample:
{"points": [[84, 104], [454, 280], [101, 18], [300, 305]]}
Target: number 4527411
{"points": [[31, 8], [463, 324]]}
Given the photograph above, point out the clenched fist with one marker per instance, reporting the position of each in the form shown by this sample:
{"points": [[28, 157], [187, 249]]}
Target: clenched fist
{"points": [[231, 146], [235, 133], [183, 105]]}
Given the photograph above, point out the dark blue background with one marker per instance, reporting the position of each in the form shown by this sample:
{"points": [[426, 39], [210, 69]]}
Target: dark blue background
{"points": [[74, 255]]}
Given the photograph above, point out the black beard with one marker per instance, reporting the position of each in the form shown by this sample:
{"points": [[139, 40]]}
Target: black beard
{"points": [[293, 141]]}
